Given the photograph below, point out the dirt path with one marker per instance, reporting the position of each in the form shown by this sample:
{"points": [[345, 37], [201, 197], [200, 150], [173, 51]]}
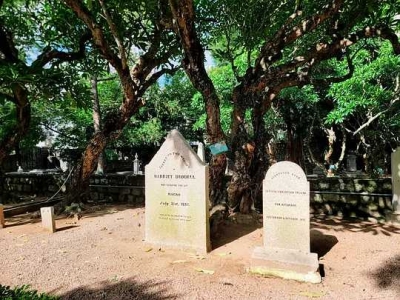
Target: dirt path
{"points": [[103, 256]]}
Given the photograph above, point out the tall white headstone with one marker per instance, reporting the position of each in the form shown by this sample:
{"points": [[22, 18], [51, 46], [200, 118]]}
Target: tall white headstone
{"points": [[286, 219], [177, 206], [396, 185]]}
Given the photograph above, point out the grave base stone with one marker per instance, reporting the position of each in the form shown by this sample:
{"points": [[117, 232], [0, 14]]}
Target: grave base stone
{"points": [[286, 227], [289, 256], [48, 220], [2, 221]]}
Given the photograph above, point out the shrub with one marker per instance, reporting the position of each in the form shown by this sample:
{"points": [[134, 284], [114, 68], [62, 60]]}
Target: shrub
{"points": [[22, 293]]}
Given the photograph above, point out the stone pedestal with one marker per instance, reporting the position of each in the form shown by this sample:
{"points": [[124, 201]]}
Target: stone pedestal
{"points": [[2, 221], [48, 219], [289, 256]]}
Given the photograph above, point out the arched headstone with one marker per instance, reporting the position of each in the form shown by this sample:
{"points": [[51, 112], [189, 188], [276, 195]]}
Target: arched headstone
{"points": [[286, 219]]}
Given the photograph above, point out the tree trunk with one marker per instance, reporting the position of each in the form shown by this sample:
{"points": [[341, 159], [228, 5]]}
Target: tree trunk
{"points": [[78, 186], [331, 136], [97, 120], [193, 63], [250, 155], [23, 118]]}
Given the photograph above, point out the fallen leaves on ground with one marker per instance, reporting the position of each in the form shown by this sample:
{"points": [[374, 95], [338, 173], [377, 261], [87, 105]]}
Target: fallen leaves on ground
{"points": [[205, 271], [179, 261], [224, 253], [196, 256], [312, 294]]}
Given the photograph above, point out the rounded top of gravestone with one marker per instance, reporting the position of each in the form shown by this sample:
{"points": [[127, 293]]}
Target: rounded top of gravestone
{"points": [[285, 170]]}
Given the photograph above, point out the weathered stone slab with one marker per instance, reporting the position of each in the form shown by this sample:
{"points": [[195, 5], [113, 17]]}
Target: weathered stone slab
{"points": [[286, 221], [48, 219], [2, 220], [177, 204], [395, 157]]}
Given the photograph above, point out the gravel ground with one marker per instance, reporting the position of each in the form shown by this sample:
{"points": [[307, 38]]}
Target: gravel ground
{"points": [[103, 256]]}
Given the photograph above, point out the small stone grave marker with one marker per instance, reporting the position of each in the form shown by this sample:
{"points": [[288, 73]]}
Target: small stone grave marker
{"points": [[351, 163], [48, 220], [395, 162], [177, 205], [286, 223], [2, 221]]}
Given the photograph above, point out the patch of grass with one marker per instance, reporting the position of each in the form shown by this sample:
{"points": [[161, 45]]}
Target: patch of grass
{"points": [[22, 293]]}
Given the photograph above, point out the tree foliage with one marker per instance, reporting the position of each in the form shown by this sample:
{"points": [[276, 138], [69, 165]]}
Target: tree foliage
{"points": [[289, 61]]}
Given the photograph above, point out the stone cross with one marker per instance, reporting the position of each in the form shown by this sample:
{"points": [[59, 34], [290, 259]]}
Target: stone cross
{"points": [[48, 220], [177, 205], [286, 219]]}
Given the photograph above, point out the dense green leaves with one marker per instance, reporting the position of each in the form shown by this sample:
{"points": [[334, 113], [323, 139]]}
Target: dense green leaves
{"points": [[372, 88], [234, 32]]}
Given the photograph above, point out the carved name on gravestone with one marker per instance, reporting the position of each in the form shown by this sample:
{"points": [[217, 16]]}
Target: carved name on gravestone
{"points": [[2, 221], [177, 206], [395, 157], [286, 217], [48, 220]]}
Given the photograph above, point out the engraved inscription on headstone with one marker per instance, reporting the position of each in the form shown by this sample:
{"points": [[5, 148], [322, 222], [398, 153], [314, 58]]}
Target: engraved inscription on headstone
{"points": [[286, 201], [177, 197], [48, 220]]}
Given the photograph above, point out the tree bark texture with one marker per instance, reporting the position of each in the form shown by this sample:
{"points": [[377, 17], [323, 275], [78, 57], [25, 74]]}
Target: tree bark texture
{"points": [[193, 63], [97, 119]]}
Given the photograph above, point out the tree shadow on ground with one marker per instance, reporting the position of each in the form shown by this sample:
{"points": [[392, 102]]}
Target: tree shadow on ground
{"points": [[21, 220], [321, 243], [98, 210], [388, 275], [90, 211], [122, 290], [229, 232], [353, 225], [63, 228]]}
